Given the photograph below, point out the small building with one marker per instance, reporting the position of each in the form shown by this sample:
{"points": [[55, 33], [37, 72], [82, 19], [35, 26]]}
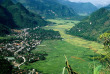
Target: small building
{"points": [[10, 58]]}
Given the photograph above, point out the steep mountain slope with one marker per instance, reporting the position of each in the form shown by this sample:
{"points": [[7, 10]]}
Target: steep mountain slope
{"points": [[48, 8], [7, 18], [6, 21], [22, 17], [15, 16], [94, 25], [81, 8], [4, 30]]}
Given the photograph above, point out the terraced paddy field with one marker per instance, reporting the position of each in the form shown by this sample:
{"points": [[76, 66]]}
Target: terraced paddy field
{"points": [[78, 51]]}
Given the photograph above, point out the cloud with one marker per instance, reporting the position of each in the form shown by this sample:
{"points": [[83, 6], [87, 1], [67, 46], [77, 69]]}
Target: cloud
{"points": [[95, 2]]}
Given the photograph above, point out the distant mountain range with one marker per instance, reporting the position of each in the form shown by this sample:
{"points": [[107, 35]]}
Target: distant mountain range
{"points": [[94, 25], [80, 8], [17, 16], [107, 7], [48, 8]]}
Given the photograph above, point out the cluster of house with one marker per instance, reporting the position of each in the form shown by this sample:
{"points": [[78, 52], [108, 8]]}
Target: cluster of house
{"points": [[21, 47], [23, 43], [18, 47], [31, 57]]}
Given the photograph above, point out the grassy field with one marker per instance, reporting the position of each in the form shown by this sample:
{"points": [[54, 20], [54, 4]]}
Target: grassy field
{"points": [[74, 40], [6, 38], [78, 57], [77, 50]]}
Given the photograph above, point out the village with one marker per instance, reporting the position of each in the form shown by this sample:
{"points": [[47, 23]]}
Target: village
{"points": [[18, 51]]}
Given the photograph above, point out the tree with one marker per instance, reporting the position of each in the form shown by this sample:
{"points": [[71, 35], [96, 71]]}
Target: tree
{"points": [[105, 59], [106, 40], [5, 66]]}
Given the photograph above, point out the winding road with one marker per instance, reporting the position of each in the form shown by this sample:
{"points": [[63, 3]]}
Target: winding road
{"points": [[16, 53], [22, 62]]}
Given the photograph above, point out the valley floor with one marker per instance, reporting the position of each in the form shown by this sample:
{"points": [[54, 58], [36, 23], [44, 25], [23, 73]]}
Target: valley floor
{"points": [[74, 40], [78, 51]]}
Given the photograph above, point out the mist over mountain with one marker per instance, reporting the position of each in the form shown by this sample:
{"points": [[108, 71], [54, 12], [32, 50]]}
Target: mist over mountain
{"points": [[98, 3], [107, 7], [79, 7]]}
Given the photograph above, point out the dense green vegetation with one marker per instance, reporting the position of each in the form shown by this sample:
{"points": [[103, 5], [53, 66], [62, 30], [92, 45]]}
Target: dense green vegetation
{"points": [[22, 17], [5, 66], [48, 8], [80, 8], [4, 30], [7, 19], [105, 37], [44, 34], [16, 16], [104, 58], [94, 25]]}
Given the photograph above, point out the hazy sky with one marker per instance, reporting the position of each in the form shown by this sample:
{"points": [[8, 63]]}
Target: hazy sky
{"points": [[95, 2]]}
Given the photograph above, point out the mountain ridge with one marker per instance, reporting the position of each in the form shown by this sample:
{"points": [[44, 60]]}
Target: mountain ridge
{"points": [[49, 8], [80, 7], [91, 27], [16, 16]]}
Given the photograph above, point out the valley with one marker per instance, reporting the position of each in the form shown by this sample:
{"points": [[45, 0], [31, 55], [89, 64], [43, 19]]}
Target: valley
{"points": [[54, 37], [74, 40], [78, 51]]}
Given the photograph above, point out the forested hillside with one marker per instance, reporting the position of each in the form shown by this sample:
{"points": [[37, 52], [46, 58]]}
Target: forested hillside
{"points": [[17, 16], [80, 8], [94, 25], [48, 8], [7, 18], [6, 22], [22, 17]]}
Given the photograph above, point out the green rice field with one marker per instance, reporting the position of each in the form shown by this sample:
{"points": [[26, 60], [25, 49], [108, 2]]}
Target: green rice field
{"points": [[77, 50]]}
